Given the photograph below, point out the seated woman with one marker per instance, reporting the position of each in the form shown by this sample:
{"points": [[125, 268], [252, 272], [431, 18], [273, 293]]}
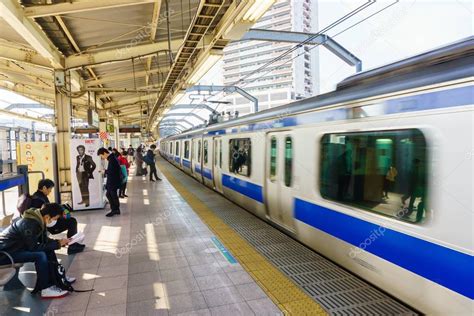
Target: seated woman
{"points": [[26, 240], [40, 197]]}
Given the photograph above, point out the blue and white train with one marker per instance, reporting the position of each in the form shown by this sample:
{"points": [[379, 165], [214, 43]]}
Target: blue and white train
{"points": [[376, 175]]}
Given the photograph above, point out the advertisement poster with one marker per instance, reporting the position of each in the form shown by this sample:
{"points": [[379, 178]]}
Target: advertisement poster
{"points": [[87, 182], [38, 156]]}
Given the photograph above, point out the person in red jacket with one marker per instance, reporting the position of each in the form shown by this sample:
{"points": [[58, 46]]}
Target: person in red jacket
{"points": [[123, 161]]}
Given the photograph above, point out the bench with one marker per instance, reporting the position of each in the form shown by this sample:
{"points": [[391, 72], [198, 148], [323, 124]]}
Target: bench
{"points": [[9, 272]]}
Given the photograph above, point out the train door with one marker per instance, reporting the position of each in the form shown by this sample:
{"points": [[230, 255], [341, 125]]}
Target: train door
{"points": [[279, 179], [217, 164]]}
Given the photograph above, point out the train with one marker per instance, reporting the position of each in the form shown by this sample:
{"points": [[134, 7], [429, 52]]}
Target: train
{"points": [[376, 175]]}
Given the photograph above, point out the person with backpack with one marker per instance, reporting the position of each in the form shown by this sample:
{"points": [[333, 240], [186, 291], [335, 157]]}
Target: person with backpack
{"points": [[130, 154], [26, 240], [114, 180], [65, 222], [124, 165], [149, 159]]}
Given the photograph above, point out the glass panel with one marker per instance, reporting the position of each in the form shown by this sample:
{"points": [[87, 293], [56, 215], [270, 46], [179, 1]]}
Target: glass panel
{"points": [[273, 158], [240, 156], [379, 171], [215, 152], [186, 149], [220, 154], [177, 148], [199, 152], [205, 152], [288, 161]]}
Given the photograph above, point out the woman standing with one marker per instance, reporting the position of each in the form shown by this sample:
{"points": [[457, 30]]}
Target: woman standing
{"points": [[139, 160]]}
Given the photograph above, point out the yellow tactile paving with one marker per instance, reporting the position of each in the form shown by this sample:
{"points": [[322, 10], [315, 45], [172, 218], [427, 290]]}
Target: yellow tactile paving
{"points": [[282, 291]]}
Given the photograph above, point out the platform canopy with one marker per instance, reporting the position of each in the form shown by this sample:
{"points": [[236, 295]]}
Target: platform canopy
{"points": [[126, 58]]}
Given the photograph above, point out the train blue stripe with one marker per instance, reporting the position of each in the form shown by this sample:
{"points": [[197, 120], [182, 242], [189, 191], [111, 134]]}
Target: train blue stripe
{"points": [[246, 188], [197, 168], [177, 159], [447, 267], [187, 163], [207, 173]]}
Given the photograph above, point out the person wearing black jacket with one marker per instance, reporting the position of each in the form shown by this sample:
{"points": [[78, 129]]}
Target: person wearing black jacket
{"points": [[39, 198], [114, 180], [152, 163], [26, 241], [85, 167]]}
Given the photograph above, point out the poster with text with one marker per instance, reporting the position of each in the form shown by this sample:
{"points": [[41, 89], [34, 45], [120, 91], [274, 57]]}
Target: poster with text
{"points": [[40, 159], [87, 188]]}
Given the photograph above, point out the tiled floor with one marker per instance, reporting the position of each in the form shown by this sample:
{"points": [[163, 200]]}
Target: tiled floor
{"points": [[157, 258]]}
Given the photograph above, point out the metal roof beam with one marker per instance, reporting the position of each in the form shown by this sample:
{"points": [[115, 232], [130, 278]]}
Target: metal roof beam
{"points": [[119, 54], [123, 76], [78, 6], [183, 115], [192, 106], [126, 101], [308, 39], [12, 13], [23, 55], [24, 116]]}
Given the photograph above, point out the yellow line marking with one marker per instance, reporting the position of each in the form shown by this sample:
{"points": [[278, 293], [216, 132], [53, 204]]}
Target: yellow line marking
{"points": [[280, 289]]}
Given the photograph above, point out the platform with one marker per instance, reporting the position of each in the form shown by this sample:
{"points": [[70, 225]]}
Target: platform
{"points": [[181, 249]]}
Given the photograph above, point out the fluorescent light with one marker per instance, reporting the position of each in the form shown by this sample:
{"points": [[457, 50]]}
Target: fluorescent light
{"points": [[258, 8], [206, 63]]}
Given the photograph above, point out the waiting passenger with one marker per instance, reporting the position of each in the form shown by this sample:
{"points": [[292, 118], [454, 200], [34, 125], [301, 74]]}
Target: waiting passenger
{"points": [[130, 154], [65, 222], [389, 180], [139, 162], [124, 165], [150, 160], [26, 241], [114, 180]]}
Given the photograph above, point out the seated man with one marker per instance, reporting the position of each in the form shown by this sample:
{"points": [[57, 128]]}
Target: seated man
{"points": [[26, 241], [40, 197]]}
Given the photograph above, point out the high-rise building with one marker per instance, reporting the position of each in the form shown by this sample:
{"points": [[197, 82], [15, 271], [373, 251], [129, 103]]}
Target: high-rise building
{"points": [[289, 79]]}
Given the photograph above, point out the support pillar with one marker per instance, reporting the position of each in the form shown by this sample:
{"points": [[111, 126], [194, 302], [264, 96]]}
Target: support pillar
{"points": [[62, 113], [116, 135]]}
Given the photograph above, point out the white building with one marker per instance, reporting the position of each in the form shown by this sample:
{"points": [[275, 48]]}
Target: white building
{"points": [[292, 78]]}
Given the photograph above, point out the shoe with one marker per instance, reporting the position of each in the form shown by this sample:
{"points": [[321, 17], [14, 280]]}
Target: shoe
{"points": [[82, 202], [152, 180], [125, 195], [70, 279], [53, 292], [75, 248], [121, 196], [86, 205], [110, 214], [159, 179]]}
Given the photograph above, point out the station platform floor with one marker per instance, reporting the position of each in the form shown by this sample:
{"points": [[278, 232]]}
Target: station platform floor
{"points": [[173, 251]]}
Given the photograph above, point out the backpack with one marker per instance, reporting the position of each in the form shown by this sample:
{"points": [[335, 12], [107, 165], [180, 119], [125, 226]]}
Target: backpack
{"points": [[58, 277], [147, 160], [24, 203]]}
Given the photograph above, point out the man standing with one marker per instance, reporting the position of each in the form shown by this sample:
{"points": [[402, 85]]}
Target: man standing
{"points": [[85, 167], [114, 180], [150, 160]]}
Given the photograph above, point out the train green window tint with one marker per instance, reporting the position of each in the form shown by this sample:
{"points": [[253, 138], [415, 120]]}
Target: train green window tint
{"points": [[379, 171], [273, 158], [288, 161], [177, 148], [199, 152], [186, 149], [220, 154], [240, 154], [205, 152]]}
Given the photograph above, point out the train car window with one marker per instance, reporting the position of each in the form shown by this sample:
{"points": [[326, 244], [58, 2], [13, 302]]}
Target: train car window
{"points": [[215, 152], [205, 152], [177, 148], [379, 171], [288, 161], [273, 158], [186, 149], [171, 148], [240, 155], [220, 153], [199, 152]]}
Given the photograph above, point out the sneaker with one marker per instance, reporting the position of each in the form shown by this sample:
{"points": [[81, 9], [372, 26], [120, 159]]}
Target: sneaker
{"points": [[70, 279], [110, 214], [75, 248], [53, 292]]}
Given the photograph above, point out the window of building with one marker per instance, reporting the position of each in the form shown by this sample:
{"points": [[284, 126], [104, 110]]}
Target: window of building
{"points": [[240, 155], [378, 171], [186, 149], [273, 158], [288, 161], [199, 152], [205, 152]]}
